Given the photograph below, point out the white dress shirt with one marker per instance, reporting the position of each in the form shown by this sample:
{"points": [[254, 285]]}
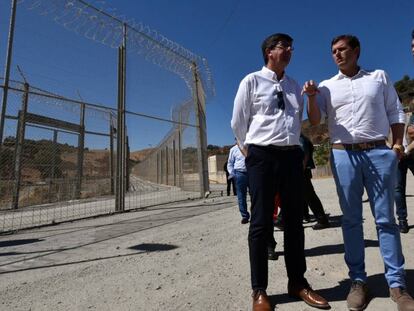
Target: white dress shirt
{"points": [[360, 108], [256, 117], [236, 161]]}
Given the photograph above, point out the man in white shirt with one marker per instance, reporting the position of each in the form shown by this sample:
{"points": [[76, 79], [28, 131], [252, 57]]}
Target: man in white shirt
{"points": [[361, 107], [266, 121], [237, 169]]}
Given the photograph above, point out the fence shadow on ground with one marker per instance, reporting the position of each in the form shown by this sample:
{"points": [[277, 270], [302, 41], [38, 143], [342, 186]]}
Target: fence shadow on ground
{"points": [[153, 247], [9, 243]]}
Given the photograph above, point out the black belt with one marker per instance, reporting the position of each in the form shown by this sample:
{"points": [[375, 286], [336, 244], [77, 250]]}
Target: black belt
{"points": [[360, 146], [241, 172], [274, 147]]}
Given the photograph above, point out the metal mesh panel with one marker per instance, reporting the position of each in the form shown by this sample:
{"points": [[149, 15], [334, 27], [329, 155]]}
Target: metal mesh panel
{"points": [[156, 171], [53, 167], [63, 158]]}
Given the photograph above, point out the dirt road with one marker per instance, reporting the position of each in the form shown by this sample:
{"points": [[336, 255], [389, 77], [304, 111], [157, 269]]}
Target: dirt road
{"points": [[187, 256]]}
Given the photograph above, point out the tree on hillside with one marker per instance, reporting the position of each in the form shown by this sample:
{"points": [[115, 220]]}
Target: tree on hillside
{"points": [[321, 154], [405, 88], [214, 150]]}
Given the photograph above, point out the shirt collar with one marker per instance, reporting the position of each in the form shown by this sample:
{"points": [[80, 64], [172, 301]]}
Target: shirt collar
{"points": [[340, 75], [271, 74]]}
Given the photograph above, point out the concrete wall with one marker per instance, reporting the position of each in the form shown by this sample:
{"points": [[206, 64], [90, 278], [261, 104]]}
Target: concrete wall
{"points": [[216, 173]]}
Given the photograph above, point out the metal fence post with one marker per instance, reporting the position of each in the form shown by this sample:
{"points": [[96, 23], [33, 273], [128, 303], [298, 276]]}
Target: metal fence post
{"points": [[119, 158], [81, 150], [19, 147], [127, 156], [199, 102], [53, 169], [180, 153], [167, 166], [111, 153], [121, 152], [7, 69], [158, 180], [174, 161]]}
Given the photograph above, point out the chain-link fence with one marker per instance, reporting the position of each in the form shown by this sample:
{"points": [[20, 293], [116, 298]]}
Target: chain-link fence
{"points": [[63, 158]]}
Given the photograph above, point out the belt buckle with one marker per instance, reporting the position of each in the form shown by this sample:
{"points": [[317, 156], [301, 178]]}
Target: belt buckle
{"points": [[366, 145]]}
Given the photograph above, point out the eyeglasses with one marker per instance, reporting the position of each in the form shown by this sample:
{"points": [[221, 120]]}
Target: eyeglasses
{"points": [[280, 100], [283, 45]]}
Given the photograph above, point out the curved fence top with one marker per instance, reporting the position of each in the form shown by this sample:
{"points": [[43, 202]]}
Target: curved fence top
{"points": [[98, 22]]}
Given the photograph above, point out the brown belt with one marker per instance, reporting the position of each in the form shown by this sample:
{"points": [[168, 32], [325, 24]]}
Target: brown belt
{"points": [[360, 146]]}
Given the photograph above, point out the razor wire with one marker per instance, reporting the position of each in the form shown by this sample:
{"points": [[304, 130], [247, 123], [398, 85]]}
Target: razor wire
{"points": [[50, 99], [98, 22]]}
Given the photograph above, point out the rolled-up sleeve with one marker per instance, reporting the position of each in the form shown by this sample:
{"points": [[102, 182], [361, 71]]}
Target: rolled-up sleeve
{"points": [[392, 104], [241, 111], [321, 99]]}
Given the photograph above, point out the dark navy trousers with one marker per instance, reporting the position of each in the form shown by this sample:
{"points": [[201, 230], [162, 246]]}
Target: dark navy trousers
{"points": [[274, 169]]}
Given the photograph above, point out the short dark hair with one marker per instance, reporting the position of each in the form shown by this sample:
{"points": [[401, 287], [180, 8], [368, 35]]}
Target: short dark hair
{"points": [[271, 41], [412, 34], [352, 41]]}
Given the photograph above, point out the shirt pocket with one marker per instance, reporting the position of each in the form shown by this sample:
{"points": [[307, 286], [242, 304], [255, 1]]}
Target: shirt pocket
{"points": [[372, 90], [265, 103]]}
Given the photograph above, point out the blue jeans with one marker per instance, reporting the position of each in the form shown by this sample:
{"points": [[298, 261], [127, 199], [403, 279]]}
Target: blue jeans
{"points": [[241, 189], [375, 170], [400, 200]]}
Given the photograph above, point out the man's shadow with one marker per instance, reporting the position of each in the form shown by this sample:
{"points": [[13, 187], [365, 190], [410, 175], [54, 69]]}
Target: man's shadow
{"points": [[331, 249], [377, 285]]}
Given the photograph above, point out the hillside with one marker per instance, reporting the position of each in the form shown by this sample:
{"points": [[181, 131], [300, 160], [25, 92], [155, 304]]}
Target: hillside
{"points": [[139, 155]]}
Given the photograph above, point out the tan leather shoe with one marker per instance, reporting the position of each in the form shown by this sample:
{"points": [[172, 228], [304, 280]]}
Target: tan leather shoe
{"points": [[404, 301], [358, 296], [309, 296], [261, 301]]}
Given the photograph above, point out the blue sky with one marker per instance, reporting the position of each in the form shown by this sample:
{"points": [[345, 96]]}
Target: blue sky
{"points": [[229, 34]]}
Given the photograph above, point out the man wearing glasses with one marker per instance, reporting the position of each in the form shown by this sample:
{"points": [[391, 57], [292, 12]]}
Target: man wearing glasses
{"points": [[361, 107], [266, 121]]}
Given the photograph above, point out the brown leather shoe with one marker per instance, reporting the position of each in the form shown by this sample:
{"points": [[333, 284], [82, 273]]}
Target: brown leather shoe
{"points": [[261, 301], [309, 296], [358, 296], [404, 301]]}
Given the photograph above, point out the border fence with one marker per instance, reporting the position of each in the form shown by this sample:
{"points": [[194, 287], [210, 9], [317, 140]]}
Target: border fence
{"points": [[50, 168]]}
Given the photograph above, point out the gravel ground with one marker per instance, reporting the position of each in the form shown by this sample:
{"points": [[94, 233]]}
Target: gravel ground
{"points": [[187, 256]]}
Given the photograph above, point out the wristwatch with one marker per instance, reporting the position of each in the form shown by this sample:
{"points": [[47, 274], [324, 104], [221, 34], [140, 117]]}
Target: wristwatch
{"points": [[398, 147]]}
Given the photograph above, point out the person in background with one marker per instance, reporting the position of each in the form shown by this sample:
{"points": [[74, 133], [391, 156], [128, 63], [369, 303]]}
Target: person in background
{"points": [[237, 170], [406, 163], [412, 42], [311, 198], [231, 183]]}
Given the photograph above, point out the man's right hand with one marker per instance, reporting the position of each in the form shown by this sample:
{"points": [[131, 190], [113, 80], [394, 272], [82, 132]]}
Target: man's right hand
{"points": [[310, 88], [314, 115]]}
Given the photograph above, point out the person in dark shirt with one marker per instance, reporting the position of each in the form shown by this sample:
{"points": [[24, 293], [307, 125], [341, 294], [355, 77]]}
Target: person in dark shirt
{"points": [[231, 183], [311, 198]]}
